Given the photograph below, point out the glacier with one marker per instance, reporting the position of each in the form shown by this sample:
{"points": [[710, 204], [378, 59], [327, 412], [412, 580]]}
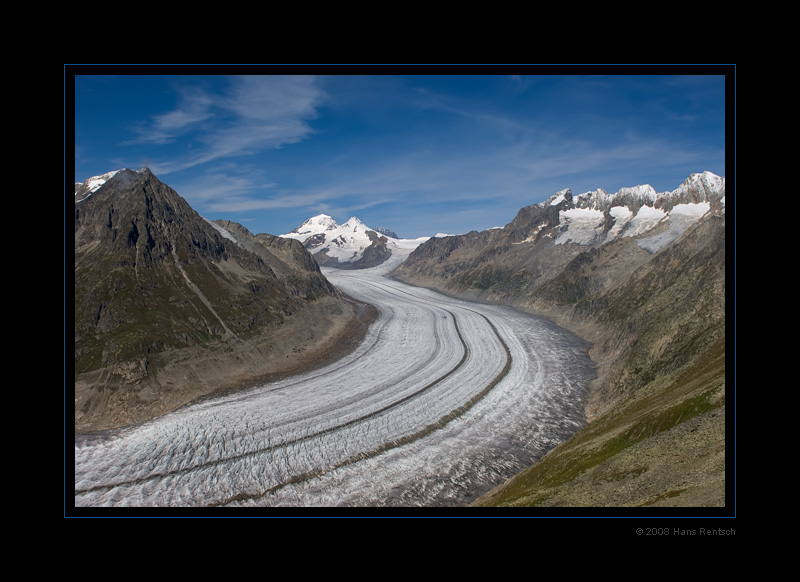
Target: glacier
{"points": [[443, 400]]}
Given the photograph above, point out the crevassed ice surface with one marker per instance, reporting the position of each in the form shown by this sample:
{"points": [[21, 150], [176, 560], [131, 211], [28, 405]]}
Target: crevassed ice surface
{"points": [[443, 400]]}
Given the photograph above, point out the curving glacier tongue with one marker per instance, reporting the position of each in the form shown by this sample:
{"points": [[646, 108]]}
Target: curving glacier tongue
{"points": [[443, 400]]}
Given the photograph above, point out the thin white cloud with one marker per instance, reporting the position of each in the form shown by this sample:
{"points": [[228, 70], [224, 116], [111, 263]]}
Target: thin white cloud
{"points": [[233, 187], [254, 113], [194, 108], [236, 203]]}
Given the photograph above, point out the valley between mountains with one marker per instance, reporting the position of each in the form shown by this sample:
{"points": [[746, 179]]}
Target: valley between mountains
{"points": [[572, 358], [429, 410]]}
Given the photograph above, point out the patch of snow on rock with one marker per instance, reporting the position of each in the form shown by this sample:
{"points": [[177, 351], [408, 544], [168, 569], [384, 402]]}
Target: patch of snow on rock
{"points": [[622, 216], [88, 187], [680, 219], [645, 219], [583, 226], [224, 232]]}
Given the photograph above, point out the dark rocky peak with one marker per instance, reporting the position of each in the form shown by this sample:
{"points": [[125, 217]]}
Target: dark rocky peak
{"points": [[537, 218], [385, 232], [135, 206]]}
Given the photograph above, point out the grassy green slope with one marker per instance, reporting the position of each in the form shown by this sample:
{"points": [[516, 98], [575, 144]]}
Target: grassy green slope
{"points": [[664, 446]]}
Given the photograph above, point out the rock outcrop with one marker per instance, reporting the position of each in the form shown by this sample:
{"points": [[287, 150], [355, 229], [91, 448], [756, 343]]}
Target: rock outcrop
{"points": [[170, 307]]}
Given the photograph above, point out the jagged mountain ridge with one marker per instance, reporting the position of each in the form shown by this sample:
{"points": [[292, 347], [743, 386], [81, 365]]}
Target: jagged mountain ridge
{"points": [[539, 243], [642, 276], [169, 306], [352, 245]]}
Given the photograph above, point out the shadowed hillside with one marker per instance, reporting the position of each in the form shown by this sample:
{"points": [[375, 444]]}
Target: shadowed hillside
{"points": [[170, 307], [650, 296]]}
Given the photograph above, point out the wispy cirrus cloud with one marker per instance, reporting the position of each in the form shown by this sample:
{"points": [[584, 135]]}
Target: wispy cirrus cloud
{"points": [[195, 107], [250, 114]]}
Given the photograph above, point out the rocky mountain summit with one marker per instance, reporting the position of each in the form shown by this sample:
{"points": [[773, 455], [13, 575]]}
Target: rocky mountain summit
{"points": [[170, 306], [641, 275], [386, 232]]}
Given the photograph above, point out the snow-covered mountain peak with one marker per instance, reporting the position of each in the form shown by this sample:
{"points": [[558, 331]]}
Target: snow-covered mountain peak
{"points": [[594, 199], [701, 187], [88, 187], [645, 192], [708, 177], [315, 225], [352, 244], [354, 223]]}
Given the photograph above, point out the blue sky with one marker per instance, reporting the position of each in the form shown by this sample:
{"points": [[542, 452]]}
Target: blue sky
{"points": [[418, 154]]}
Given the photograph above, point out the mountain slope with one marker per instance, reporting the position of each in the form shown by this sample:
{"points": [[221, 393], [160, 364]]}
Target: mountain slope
{"points": [[642, 276], [352, 245], [170, 307]]}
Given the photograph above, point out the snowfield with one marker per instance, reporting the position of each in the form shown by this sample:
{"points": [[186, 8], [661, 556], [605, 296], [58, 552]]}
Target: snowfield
{"points": [[443, 400]]}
